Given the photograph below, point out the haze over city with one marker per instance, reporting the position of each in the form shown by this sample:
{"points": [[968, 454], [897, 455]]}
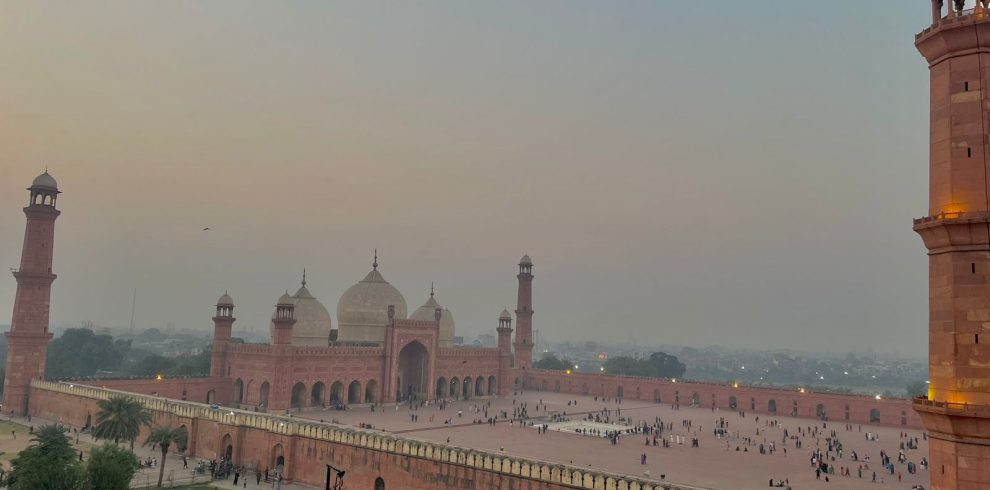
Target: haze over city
{"points": [[743, 192]]}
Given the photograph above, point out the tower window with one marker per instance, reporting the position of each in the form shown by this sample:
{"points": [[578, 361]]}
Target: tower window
{"points": [[966, 86], [977, 338], [969, 152], [972, 267]]}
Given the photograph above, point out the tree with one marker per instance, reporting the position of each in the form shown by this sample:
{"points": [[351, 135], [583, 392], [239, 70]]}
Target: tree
{"points": [[551, 361], [110, 468], [154, 364], [658, 365], [624, 365], [663, 365], [80, 352], [164, 437], [151, 335], [120, 419], [49, 463]]}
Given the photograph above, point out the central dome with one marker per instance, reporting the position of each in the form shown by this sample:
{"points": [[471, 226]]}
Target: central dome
{"points": [[427, 313], [362, 312]]}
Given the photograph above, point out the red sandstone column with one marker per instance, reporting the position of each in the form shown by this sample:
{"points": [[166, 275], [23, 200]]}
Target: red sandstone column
{"points": [[223, 323], [956, 233], [390, 359], [524, 315], [504, 353], [27, 340]]}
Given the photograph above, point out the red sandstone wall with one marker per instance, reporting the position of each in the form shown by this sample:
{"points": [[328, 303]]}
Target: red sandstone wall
{"points": [[191, 389], [893, 412], [305, 458]]}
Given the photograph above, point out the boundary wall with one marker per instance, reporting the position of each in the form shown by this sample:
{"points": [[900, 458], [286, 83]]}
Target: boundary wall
{"points": [[777, 402], [306, 447]]}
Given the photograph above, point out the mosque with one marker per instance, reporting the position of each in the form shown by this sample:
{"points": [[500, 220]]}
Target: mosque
{"points": [[377, 353]]}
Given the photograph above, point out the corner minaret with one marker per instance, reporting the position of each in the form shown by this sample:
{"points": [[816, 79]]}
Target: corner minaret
{"points": [[284, 320], [504, 353], [223, 323], [524, 315], [956, 232], [27, 340]]}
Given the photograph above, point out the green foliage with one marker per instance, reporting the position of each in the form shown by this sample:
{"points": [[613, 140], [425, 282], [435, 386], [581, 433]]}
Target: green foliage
{"points": [[151, 335], [917, 388], [120, 419], [80, 352], [551, 361], [193, 365], [49, 463], [624, 365], [110, 468], [154, 364], [658, 365], [164, 437], [187, 365]]}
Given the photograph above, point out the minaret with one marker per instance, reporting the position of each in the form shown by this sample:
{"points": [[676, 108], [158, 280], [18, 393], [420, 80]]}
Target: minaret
{"points": [[524, 315], [223, 323], [280, 394], [504, 353], [27, 340], [956, 233], [284, 320]]}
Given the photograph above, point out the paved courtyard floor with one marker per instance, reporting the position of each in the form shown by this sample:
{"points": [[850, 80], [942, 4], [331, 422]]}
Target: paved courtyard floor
{"points": [[716, 463]]}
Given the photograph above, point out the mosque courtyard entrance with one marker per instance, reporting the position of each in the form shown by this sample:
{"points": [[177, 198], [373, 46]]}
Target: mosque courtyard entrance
{"points": [[412, 372]]}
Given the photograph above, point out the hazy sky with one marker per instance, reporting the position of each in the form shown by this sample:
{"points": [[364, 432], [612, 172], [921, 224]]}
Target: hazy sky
{"points": [[739, 173]]}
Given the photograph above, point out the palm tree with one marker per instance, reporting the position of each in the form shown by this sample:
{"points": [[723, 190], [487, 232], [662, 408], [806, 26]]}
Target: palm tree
{"points": [[120, 419], [164, 436]]}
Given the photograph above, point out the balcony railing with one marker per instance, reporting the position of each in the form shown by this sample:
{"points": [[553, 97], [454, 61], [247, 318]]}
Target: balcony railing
{"points": [[968, 409], [958, 215]]}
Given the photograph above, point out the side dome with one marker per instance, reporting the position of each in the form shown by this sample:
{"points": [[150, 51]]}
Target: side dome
{"points": [[313, 321], [362, 312]]}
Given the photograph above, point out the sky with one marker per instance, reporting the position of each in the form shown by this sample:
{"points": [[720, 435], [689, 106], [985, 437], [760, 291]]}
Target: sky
{"points": [[740, 174]]}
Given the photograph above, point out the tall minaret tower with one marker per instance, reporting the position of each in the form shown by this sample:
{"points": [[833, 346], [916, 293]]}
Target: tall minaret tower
{"points": [[27, 340], [956, 232], [504, 330], [223, 323], [524, 315]]}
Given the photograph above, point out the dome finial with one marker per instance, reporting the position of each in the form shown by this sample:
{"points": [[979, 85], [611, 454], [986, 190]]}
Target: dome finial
{"points": [[304, 277], [374, 265], [431, 289]]}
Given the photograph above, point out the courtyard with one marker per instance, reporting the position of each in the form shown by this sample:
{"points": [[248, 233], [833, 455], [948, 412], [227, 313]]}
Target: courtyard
{"points": [[731, 460]]}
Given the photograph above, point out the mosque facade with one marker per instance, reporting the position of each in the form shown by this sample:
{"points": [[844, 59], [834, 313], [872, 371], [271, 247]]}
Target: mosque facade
{"points": [[377, 354]]}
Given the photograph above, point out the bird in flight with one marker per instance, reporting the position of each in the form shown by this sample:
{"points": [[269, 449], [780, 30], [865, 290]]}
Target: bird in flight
{"points": [[207, 228]]}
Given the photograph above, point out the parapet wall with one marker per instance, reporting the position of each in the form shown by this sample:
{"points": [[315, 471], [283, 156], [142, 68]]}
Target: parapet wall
{"points": [[259, 440], [193, 389], [856, 409]]}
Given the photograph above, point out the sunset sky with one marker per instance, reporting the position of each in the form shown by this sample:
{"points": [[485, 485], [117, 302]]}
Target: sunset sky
{"points": [[734, 173]]}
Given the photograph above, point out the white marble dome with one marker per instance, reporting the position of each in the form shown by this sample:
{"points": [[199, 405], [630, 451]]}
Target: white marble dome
{"points": [[362, 312], [427, 313], [313, 321]]}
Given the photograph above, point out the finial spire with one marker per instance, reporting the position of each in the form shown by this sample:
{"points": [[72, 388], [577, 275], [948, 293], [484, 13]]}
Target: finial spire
{"points": [[304, 277], [431, 289], [374, 265]]}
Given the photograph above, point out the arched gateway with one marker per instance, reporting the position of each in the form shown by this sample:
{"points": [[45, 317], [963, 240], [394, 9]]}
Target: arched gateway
{"points": [[412, 371]]}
